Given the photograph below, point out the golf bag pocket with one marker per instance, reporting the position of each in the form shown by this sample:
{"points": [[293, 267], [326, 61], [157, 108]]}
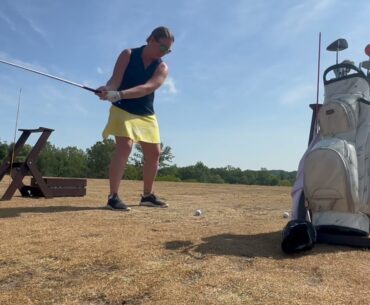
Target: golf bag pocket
{"points": [[337, 117], [363, 160], [331, 177]]}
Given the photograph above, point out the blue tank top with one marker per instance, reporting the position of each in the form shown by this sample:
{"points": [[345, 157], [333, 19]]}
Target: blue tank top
{"points": [[136, 74]]}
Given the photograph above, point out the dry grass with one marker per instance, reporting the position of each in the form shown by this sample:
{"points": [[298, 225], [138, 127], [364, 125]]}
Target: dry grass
{"points": [[71, 251]]}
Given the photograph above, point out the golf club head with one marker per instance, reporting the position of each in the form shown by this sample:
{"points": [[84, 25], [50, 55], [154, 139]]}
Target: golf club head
{"points": [[367, 50], [338, 45], [365, 64], [343, 71]]}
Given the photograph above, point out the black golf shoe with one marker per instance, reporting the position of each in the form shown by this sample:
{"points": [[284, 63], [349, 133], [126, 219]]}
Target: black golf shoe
{"points": [[152, 201], [116, 204]]}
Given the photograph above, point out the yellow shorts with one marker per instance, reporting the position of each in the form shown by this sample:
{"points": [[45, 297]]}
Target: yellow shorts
{"points": [[136, 127]]}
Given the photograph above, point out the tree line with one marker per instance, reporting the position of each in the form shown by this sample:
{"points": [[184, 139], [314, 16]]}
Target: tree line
{"points": [[94, 163]]}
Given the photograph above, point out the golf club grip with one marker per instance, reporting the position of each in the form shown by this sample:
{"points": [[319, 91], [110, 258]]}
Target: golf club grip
{"points": [[91, 89]]}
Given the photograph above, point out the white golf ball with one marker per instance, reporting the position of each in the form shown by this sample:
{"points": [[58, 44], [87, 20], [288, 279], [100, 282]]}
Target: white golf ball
{"points": [[286, 215]]}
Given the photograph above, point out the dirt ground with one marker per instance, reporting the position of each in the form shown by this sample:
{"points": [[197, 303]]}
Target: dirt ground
{"points": [[73, 251]]}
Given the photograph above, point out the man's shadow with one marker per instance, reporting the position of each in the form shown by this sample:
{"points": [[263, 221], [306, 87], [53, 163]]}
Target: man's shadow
{"points": [[267, 245]]}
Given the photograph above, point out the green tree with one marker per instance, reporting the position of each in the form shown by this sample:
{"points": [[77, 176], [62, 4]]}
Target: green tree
{"points": [[249, 177], [48, 161], [165, 158], [4, 150], [62, 162], [199, 173], [98, 158], [22, 154], [229, 174], [169, 173], [133, 172], [74, 161]]}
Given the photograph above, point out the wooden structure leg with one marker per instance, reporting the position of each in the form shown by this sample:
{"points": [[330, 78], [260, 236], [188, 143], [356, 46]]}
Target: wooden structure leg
{"points": [[28, 166]]}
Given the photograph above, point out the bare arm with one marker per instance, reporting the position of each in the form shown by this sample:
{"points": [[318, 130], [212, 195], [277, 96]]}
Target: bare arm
{"points": [[150, 86], [117, 75], [119, 70]]}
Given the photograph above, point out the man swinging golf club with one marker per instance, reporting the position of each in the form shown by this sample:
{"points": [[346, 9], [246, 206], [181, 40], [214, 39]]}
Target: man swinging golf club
{"points": [[137, 74]]}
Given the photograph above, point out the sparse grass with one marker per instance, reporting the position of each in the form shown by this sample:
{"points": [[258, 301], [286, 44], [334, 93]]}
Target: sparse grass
{"points": [[71, 251]]}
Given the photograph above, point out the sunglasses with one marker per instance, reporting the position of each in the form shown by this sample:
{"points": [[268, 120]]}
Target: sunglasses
{"points": [[163, 48]]}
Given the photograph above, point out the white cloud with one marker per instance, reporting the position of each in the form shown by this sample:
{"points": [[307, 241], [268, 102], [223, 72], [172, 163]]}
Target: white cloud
{"points": [[37, 29], [303, 15], [169, 87], [22, 63], [81, 109], [299, 94], [8, 21]]}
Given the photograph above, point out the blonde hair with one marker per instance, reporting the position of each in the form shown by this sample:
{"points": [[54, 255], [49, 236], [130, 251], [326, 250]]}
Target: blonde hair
{"points": [[161, 32]]}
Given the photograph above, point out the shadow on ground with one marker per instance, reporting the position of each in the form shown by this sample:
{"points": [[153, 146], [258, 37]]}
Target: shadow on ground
{"points": [[259, 245], [16, 211], [267, 245]]}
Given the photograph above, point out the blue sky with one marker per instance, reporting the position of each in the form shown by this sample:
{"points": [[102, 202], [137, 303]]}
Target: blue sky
{"points": [[242, 72]]}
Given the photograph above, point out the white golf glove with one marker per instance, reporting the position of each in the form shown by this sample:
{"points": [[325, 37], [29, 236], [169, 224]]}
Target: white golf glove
{"points": [[113, 96]]}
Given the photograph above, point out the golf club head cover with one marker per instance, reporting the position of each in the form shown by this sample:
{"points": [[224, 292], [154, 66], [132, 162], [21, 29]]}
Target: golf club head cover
{"points": [[298, 235], [113, 96]]}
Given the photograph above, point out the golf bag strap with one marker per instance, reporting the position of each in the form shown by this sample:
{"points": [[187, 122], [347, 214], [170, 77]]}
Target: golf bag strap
{"points": [[362, 100], [344, 240]]}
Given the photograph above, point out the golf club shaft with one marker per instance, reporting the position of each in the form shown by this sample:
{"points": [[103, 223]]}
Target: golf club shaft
{"points": [[318, 84], [50, 76]]}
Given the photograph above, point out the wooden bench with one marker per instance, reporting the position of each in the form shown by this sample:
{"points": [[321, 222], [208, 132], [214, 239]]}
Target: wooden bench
{"points": [[60, 187], [46, 187]]}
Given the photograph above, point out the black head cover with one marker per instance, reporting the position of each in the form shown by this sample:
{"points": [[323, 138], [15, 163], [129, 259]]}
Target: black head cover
{"points": [[298, 235], [338, 45], [366, 64]]}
